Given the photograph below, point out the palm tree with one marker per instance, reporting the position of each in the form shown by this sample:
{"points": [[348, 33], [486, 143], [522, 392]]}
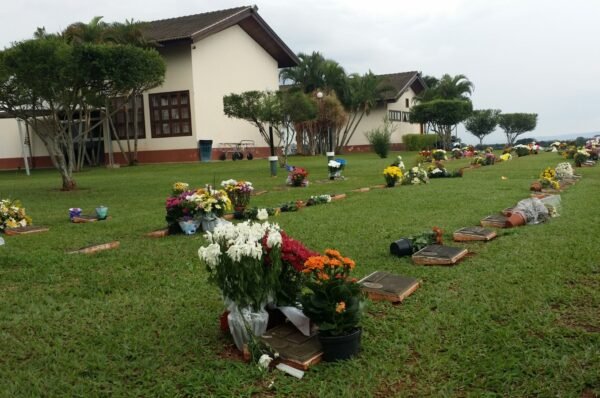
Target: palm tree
{"points": [[315, 72], [448, 87], [91, 32]]}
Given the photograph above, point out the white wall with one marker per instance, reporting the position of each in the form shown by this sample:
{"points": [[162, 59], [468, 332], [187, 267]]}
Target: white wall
{"points": [[10, 144], [228, 62], [375, 119]]}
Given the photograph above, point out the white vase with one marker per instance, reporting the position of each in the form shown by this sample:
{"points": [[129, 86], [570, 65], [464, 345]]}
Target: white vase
{"points": [[243, 320], [209, 222]]}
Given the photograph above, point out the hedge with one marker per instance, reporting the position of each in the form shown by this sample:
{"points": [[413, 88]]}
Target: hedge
{"points": [[417, 142]]}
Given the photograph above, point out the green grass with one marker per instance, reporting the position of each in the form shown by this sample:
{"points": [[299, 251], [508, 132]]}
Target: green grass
{"points": [[519, 318]]}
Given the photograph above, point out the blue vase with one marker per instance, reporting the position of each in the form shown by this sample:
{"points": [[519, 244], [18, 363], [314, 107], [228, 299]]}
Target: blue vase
{"points": [[74, 212]]}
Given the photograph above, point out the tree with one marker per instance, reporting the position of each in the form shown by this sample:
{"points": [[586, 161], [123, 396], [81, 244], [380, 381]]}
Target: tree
{"points": [[264, 109], [128, 33], [515, 124], [314, 72], [482, 122], [441, 115], [448, 87], [52, 83], [443, 104], [362, 94]]}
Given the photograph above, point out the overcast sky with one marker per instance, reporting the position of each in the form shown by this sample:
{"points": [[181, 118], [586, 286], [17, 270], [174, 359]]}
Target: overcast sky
{"points": [[539, 56]]}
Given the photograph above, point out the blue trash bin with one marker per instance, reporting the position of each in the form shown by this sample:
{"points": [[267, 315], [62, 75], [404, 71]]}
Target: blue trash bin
{"points": [[205, 150]]}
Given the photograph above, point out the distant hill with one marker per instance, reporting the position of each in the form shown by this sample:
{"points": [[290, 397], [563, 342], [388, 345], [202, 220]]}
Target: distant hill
{"points": [[563, 137]]}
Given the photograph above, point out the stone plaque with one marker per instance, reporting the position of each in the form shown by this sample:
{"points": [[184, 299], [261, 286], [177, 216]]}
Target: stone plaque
{"points": [[494, 221], [439, 255], [84, 219], [28, 229], [381, 286], [294, 348], [473, 233]]}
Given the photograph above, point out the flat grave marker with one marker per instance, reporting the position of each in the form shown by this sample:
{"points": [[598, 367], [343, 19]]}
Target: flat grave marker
{"points": [[294, 348], [468, 234], [439, 255], [385, 286], [28, 229], [494, 221]]}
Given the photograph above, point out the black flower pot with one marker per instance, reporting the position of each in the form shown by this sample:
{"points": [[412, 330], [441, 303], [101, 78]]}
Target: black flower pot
{"points": [[402, 247], [339, 348]]}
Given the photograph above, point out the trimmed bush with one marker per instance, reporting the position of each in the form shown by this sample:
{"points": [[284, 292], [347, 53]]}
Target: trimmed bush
{"points": [[417, 142]]}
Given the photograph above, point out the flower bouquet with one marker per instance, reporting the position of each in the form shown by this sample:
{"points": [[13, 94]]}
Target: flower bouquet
{"points": [[580, 157], [12, 215], [333, 301], [489, 158], [439, 154], [437, 170], [522, 150], [244, 262], [298, 177], [318, 200], [457, 153], [415, 176], [548, 179], [291, 279], [335, 167], [564, 170], [424, 156], [180, 207], [392, 175], [505, 157], [239, 193]]}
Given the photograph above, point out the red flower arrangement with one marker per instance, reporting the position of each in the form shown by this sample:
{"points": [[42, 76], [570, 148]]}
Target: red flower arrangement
{"points": [[298, 177]]}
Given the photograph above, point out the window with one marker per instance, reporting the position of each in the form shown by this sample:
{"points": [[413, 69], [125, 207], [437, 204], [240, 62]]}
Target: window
{"points": [[399, 116], [170, 114], [407, 102], [123, 118]]}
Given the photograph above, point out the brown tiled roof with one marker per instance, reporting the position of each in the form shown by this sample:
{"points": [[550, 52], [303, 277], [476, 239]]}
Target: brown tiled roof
{"points": [[196, 27], [397, 83], [186, 27]]}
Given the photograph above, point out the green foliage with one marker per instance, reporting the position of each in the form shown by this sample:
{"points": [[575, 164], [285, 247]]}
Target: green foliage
{"points": [[418, 142], [441, 115], [482, 122], [448, 87], [67, 78], [515, 124], [380, 138]]}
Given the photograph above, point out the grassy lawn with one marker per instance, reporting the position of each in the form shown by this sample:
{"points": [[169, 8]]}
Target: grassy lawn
{"points": [[519, 318]]}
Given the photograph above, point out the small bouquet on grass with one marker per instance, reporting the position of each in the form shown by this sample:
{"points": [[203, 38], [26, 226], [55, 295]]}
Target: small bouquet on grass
{"points": [[505, 157], [564, 170], [415, 176], [392, 175], [580, 157], [335, 167], [260, 214], [438, 170], [439, 154], [333, 300], [457, 153], [522, 150], [489, 157], [239, 192], [298, 177], [12, 215], [424, 156], [318, 200], [548, 179]]}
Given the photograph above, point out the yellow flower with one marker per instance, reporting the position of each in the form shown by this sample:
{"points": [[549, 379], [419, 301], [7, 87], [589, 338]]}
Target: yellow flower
{"points": [[340, 307]]}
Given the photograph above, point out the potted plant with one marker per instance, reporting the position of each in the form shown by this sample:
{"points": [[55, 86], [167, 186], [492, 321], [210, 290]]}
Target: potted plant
{"points": [[392, 175], [333, 301], [244, 261], [239, 193], [412, 244], [522, 150]]}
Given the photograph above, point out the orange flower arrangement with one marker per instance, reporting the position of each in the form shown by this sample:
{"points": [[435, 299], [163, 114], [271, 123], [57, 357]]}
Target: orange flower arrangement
{"points": [[334, 298]]}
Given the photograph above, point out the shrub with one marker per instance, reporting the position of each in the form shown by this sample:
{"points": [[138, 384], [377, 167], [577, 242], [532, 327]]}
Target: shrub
{"points": [[417, 142], [380, 138]]}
